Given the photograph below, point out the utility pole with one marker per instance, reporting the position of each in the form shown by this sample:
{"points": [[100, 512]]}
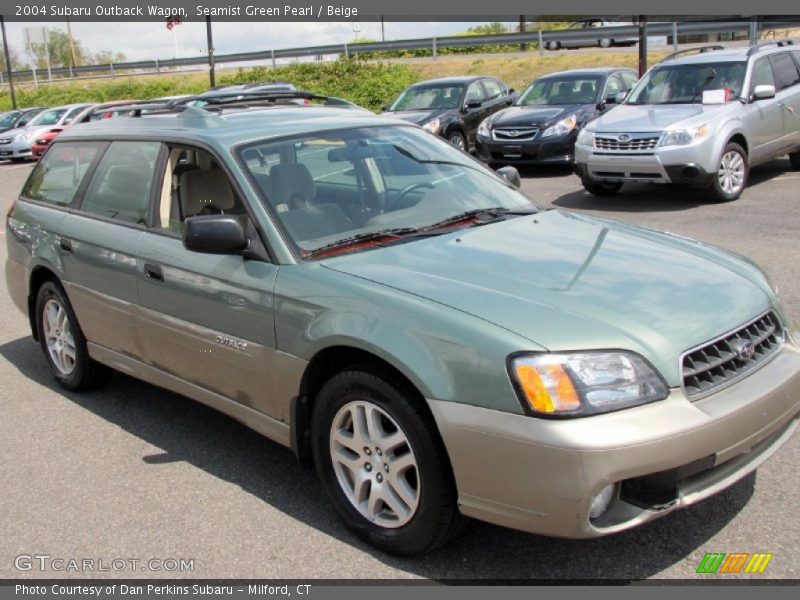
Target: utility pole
{"points": [[8, 64], [383, 33], [71, 45], [211, 74], [523, 46], [642, 45]]}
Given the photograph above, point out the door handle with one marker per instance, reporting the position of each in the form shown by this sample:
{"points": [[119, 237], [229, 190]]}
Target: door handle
{"points": [[65, 244], [153, 272]]}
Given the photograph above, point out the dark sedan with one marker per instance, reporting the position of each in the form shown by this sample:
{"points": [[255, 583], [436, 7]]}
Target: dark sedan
{"points": [[452, 107], [542, 125]]}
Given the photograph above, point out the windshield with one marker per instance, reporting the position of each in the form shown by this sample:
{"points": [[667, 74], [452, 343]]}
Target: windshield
{"points": [[48, 117], [8, 119], [331, 186], [561, 90], [684, 84], [429, 97]]}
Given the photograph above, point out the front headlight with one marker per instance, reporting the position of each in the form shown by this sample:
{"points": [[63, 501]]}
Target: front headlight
{"points": [[585, 138], [684, 137], [585, 383], [563, 127], [433, 125], [483, 129]]}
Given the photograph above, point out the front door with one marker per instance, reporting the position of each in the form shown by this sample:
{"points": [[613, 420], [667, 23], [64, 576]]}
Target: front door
{"points": [[206, 319], [763, 118]]}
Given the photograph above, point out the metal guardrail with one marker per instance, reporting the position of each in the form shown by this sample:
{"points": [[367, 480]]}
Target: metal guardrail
{"points": [[653, 29]]}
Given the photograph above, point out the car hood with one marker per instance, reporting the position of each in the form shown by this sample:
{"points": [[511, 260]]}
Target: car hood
{"points": [[628, 117], [418, 117], [568, 282], [36, 131], [525, 116]]}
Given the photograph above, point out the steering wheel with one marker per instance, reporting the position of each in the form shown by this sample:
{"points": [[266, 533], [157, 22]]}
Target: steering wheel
{"points": [[390, 206]]}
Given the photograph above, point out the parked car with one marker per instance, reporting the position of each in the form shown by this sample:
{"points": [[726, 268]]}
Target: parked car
{"points": [[400, 315], [15, 144], [94, 112], [542, 124], [594, 36], [452, 107], [700, 120], [17, 118]]}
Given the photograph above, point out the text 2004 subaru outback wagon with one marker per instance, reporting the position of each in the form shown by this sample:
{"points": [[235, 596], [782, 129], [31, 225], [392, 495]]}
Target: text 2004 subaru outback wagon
{"points": [[355, 288]]}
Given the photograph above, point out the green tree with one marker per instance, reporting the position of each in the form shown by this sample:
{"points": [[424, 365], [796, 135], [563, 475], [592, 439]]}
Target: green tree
{"points": [[15, 62], [487, 29]]}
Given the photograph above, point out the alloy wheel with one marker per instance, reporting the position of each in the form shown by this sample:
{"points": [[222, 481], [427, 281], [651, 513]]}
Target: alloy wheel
{"points": [[731, 172], [375, 464], [58, 336]]}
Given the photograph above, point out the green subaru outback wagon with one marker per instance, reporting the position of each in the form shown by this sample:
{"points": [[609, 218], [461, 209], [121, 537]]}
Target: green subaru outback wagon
{"points": [[354, 288]]}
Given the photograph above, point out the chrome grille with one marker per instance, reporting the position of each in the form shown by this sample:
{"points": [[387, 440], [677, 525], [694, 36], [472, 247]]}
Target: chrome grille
{"points": [[722, 362], [628, 143], [518, 134]]}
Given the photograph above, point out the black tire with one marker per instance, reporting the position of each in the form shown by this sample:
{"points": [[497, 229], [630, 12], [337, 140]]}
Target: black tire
{"points": [[17, 159], [597, 188], [718, 191], [436, 519], [457, 140], [553, 46], [794, 158], [86, 373]]}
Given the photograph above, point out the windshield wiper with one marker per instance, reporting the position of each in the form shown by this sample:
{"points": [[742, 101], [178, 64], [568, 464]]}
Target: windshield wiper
{"points": [[360, 239], [493, 213]]}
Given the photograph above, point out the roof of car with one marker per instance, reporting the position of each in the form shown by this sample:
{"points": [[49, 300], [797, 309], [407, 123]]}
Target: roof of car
{"points": [[588, 71], [452, 80], [731, 54], [230, 127]]}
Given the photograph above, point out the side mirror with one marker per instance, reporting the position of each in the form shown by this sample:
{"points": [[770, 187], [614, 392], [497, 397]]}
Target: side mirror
{"points": [[511, 175], [620, 97], [214, 234], [763, 92], [473, 104], [512, 91], [384, 108]]}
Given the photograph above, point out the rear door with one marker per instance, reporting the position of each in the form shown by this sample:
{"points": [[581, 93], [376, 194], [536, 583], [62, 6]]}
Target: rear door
{"points": [[99, 242], [787, 76], [474, 115]]}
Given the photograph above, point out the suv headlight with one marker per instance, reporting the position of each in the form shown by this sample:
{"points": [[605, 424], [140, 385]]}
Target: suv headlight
{"points": [[684, 137], [585, 383], [483, 129], [563, 127], [585, 138], [433, 125]]}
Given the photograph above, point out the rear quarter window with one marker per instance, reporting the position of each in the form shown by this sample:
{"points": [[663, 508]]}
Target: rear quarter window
{"points": [[786, 73], [60, 173]]}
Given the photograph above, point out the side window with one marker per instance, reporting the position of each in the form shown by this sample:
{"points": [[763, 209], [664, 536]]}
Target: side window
{"points": [[762, 74], [194, 184], [493, 89], [786, 74], [629, 79], [72, 114], [60, 172], [475, 93], [613, 87], [121, 185]]}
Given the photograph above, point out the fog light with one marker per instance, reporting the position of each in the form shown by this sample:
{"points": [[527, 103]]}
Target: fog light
{"points": [[601, 502]]}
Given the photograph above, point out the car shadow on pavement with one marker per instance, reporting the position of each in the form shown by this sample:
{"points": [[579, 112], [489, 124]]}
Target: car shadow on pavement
{"points": [[189, 431], [636, 197]]}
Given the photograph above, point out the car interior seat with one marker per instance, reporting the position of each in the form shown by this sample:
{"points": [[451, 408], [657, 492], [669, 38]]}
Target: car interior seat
{"points": [[205, 191]]}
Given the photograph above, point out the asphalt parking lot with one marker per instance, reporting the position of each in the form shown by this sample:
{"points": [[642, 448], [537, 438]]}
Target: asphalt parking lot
{"points": [[134, 472]]}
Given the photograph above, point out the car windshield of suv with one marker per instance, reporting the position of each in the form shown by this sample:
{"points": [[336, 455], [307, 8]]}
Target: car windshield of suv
{"points": [[581, 89], [331, 187], [48, 117], [429, 97], [685, 84], [8, 119]]}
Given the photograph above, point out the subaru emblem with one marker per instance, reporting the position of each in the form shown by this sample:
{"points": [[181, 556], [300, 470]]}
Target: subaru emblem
{"points": [[744, 349], [624, 138]]}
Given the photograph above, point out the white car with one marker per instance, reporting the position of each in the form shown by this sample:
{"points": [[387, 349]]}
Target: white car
{"points": [[15, 144]]}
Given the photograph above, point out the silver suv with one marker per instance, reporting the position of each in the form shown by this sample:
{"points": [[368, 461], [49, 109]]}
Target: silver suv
{"points": [[700, 120]]}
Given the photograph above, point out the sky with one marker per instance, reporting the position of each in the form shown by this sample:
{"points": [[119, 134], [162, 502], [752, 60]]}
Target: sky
{"points": [[151, 40]]}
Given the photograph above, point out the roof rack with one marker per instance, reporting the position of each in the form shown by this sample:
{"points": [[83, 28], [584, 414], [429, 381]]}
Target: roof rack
{"points": [[247, 85], [239, 99], [108, 106], [779, 43], [699, 50]]}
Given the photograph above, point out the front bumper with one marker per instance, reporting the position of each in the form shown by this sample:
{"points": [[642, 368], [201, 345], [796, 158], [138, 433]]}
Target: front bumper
{"points": [[558, 150], [693, 165], [540, 475], [15, 150]]}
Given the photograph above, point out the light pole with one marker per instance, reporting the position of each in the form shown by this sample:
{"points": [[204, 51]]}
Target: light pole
{"points": [[8, 64]]}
